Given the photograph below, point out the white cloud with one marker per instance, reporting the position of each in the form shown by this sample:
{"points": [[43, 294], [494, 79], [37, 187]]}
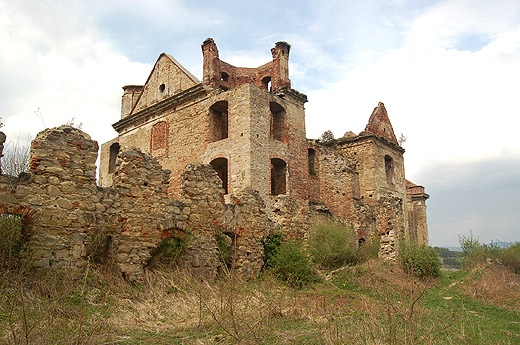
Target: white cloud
{"points": [[452, 105], [64, 75]]}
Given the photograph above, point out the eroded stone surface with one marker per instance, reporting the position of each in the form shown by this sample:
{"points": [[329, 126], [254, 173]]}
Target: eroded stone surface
{"points": [[227, 155]]}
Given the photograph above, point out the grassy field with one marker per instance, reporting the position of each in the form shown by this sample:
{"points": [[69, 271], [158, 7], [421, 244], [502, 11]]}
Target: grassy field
{"points": [[372, 303]]}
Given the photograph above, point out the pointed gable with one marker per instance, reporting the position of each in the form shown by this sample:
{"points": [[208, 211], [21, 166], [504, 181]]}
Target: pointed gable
{"points": [[168, 77], [379, 124]]}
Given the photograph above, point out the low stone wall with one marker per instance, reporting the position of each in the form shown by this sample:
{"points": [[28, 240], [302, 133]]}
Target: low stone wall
{"points": [[69, 217]]}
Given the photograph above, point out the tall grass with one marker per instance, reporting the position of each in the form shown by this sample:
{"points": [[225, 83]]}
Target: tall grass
{"points": [[10, 240]]}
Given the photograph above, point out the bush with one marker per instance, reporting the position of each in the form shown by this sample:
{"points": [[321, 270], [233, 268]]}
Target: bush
{"points": [[168, 251], [368, 250], [510, 256], [420, 260], [225, 250], [331, 245], [271, 246], [292, 265], [11, 240], [475, 253]]}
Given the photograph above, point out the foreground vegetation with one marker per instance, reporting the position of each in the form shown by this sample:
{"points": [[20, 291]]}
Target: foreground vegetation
{"points": [[323, 297]]}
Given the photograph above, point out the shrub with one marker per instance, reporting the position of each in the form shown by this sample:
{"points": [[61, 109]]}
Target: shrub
{"points": [[510, 256], [225, 250], [331, 245], [368, 250], [420, 260], [11, 240], [271, 246], [292, 265], [475, 253], [168, 251]]}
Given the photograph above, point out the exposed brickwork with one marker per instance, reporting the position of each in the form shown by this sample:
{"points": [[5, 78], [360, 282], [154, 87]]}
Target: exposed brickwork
{"points": [[159, 142], [238, 163], [250, 125]]}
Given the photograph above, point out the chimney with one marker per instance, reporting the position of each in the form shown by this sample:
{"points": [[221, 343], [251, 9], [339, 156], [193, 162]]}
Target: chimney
{"points": [[280, 77], [130, 96], [211, 64]]}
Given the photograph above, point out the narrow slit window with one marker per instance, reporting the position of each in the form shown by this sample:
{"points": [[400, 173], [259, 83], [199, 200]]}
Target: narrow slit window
{"points": [[312, 161], [389, 169], [114, 151]]}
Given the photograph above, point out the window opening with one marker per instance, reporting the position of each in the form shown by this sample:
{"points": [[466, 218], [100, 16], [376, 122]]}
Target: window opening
{"points": [[221, 167], [218, 121], [312, 161], [278, 176], [277, 121], [266, 84], [389, 169], [114, 151]]}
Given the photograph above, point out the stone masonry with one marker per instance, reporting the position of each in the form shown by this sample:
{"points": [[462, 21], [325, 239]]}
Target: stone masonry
{"points": [[238, 163]]}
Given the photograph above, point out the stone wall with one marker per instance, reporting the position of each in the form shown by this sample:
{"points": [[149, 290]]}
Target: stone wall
{"points": [[69, 217]]}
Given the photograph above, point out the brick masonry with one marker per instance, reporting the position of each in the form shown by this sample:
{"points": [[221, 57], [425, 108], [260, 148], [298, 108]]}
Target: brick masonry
{"points": [[238, 163]]}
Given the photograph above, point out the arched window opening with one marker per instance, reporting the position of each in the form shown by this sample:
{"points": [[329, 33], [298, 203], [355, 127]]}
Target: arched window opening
{"points": [[221, 167], [114, 151], [277, 121], [159, 139], [218, 121], [266, 84], [278, 176], [312, 161], [389, 169]]}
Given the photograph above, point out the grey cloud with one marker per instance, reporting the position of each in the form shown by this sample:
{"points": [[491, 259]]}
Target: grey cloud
{"points": [[480, 197]]}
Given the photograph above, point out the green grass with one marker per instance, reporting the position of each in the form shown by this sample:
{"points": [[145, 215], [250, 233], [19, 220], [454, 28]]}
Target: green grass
{"points": [[473, 321], [373, 303]]}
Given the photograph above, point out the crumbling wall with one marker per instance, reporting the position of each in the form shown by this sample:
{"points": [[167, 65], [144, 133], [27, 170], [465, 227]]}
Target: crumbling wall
{"points": [[145, 213], [71, 215], [60, 193], [247, 224]]}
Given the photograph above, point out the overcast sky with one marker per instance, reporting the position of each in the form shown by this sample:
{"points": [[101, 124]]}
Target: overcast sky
{"points": [[447, 71]]}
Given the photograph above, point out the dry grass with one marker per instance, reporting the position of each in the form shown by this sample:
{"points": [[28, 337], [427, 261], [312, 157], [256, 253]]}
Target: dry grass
{"points": [[373, 303], [493, 284]]}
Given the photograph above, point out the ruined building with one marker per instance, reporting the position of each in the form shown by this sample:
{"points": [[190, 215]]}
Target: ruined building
{"points": [[225, 155]]}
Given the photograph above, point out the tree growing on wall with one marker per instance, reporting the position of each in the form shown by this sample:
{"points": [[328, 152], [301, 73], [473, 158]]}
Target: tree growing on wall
{"points": [[327, 138]]}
